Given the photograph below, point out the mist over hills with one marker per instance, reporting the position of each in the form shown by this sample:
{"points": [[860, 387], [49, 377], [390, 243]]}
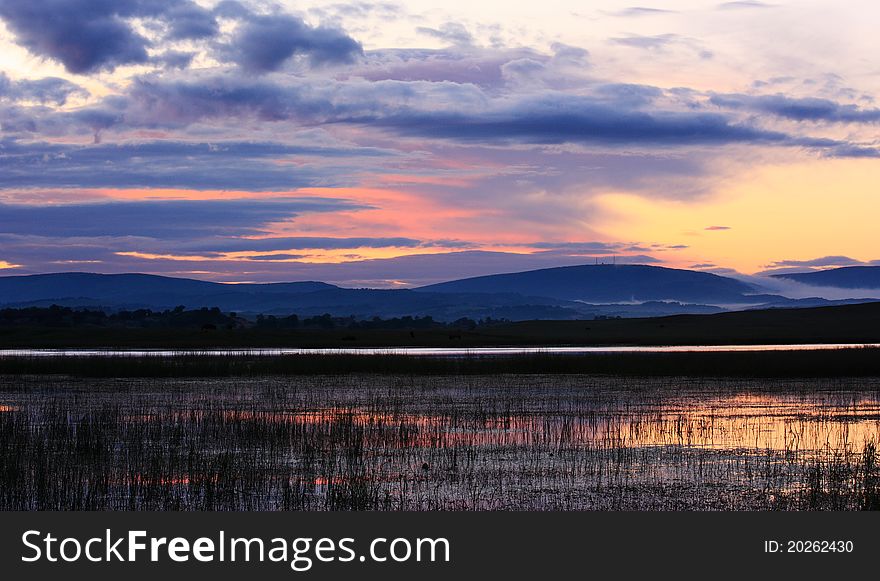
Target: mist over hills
{"points": [[569, 292], [848, 277]]}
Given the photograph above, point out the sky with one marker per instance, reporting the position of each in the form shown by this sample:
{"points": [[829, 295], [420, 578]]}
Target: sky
{"points": [[394, 144]]}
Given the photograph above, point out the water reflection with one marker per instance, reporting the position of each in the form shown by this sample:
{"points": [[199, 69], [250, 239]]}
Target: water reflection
{"points": [[747, 422], [440, 442]]}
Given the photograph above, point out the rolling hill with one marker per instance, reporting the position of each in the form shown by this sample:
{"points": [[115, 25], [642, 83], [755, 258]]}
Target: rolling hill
{"points": [[139, 290], [606, 283], [555, 293]]}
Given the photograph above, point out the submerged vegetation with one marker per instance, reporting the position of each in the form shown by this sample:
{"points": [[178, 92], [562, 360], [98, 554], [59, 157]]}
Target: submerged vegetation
{"points": [[432, 442]]}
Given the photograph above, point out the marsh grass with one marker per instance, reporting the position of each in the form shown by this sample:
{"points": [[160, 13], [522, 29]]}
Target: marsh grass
{"points": [[438, 442]]}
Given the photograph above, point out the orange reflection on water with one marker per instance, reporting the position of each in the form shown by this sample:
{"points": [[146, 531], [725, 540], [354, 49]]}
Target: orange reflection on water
{"points": [[756, 422], [751, 422]]}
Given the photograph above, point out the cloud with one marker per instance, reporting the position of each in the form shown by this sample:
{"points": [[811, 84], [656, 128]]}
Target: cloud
{"points": [[589, 248], [175, 59], [229, 165], [276, 257], [122, 255], [744, 4], [646, 42], [642, 11], [558, 118], [189, 21], [300, 243], [662, 42], [181, 102], [203, 243], [487, 68], [264, 42], [86, 36], [90, 36], [852, 151], [715, 228], [48, 90], [168, 219], [629, 94], [454, 33], [612, 114], [798, 109], [824, 261]]}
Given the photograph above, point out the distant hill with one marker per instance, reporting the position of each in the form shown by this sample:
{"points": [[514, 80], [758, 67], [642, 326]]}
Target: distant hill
{"points": [[867, 277], [138, 290], [566, 293], [606, 283], [133, 291]]}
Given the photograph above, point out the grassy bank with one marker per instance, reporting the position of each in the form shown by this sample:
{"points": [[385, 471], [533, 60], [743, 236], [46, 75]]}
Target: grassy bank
{"points": [[856, 362]]}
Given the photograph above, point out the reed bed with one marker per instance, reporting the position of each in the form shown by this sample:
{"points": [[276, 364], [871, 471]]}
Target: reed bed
{"points": [[438, 442]]}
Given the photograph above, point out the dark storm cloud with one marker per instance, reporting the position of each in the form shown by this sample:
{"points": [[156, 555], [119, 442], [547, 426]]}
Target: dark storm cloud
{"points": [[48, 90], [264, 42], [165, 164], [167, 219], [798, 109]]}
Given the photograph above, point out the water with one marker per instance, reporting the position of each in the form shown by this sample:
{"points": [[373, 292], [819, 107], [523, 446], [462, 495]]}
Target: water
{"points": [[439, 443], [430, 351]]}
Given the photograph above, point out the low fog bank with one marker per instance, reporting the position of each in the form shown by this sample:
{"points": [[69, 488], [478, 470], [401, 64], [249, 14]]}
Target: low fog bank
{"points": [[797, 290]]}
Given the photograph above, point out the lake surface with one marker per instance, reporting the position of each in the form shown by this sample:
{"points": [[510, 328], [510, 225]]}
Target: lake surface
{"points": [[387, 442], [429, 351]]}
